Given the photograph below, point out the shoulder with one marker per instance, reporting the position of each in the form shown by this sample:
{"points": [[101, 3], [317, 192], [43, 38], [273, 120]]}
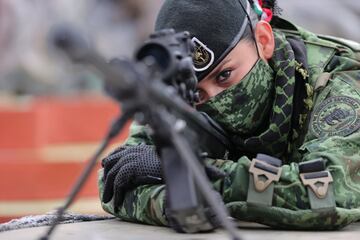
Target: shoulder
{"points": [[319, 52], [317, 44], [337, 108]]}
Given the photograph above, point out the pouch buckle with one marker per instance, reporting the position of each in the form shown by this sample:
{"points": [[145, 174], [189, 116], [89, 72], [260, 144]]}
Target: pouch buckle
{"points": [[260, 168], [264, 171], [318, 183], [312, 179]]}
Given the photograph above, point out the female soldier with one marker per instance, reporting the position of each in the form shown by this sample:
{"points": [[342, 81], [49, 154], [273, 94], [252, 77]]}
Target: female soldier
{"points": [[277, 89]]}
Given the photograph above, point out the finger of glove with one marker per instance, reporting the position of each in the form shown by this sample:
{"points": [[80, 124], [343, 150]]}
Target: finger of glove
{"points": [[123, 182], [149, 166], [141, 180], [119, 153], [127, 150], [109, 162], [214, 173], [128, 154], [119, 149], [109, 180]]}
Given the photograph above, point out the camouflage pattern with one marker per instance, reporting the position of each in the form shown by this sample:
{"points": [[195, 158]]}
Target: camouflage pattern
{"points": [[248, 100], [244, 108], [138, 135], [291, 208]]}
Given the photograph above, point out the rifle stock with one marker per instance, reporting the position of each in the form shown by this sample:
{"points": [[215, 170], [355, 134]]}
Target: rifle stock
{"points": [[161, 85]]}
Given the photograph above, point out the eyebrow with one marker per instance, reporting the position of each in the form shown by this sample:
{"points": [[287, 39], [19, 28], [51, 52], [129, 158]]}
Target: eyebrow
{"points": [[217, 69]]}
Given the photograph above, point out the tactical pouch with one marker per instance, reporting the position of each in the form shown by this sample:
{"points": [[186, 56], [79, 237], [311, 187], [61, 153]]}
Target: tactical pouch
{"points": [[318, 183], [265, 170]]}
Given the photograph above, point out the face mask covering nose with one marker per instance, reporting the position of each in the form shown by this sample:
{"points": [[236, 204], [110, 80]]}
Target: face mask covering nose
{"points": [[243, 107]]}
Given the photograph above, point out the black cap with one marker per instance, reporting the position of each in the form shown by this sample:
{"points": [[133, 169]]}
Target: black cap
{"points": [[216, 26]]}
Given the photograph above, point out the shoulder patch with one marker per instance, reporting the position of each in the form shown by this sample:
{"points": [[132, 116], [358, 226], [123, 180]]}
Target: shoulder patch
{"points": [[203, 56], [336, 116]]}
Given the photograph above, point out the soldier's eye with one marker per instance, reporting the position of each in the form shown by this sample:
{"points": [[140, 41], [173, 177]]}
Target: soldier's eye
{"points": [[202, 96], [223, 76]]}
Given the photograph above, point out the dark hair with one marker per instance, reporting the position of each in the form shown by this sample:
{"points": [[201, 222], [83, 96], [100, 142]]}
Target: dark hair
{"points": [[273, 5], [248, 34]]}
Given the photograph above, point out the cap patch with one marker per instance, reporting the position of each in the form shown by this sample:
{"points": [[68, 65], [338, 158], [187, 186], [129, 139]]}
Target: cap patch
{"points": [[203, 56]]}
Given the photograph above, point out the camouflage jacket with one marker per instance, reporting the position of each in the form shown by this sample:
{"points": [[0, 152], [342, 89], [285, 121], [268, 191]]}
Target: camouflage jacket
{"points": [[331, 132]]}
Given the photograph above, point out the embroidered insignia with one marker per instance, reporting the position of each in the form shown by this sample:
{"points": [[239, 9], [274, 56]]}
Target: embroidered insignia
{"points": [[203, 56], [336, 116]]}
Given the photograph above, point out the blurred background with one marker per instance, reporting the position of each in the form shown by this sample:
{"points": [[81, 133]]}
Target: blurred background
{"points": [[52, 114]]}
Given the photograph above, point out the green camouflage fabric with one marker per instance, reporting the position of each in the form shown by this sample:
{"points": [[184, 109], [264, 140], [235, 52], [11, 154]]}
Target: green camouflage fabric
{"points": [[248, 100], [330, 130], [244, 108]]}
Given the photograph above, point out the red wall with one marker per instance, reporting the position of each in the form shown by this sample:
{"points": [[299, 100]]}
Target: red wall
{"points": [[26, 131]]}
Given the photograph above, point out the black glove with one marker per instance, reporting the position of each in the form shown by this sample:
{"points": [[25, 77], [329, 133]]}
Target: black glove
{"points": [[127, 168], [131, 166]]}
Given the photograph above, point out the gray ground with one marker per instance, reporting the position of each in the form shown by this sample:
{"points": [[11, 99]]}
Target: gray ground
{"points": [[116, 230]]}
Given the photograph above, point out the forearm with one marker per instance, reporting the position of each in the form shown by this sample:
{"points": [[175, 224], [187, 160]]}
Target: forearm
{"points": [[144, 204], [138, 135], [290, 205]]}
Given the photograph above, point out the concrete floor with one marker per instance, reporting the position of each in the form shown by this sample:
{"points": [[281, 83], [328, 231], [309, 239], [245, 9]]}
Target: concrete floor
{"points": [[117, 230]]}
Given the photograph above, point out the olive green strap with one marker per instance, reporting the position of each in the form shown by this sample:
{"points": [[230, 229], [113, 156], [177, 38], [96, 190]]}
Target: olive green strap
{"points": [[318, 183], [264, 170]]}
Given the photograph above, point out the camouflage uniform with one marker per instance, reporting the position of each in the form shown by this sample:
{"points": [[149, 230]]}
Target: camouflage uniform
{"points": [[329, 129]]}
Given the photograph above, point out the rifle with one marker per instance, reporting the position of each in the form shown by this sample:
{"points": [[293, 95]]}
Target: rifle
{"points": [[158, 89]]}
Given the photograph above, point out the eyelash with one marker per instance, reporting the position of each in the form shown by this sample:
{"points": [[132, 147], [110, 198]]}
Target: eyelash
{"points": [[219, 81], [202, 96]]}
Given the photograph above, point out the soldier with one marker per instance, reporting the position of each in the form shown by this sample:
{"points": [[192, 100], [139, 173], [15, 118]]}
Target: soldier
{"points": [[278, 90]]}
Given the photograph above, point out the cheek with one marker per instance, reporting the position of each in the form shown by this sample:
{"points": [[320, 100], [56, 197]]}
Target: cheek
{"points": [[209, 90], [239, 74], [215, 90], [243, 69]]}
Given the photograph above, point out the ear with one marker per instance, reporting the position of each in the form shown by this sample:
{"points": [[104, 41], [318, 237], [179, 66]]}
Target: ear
{"points": [[265, 39]]}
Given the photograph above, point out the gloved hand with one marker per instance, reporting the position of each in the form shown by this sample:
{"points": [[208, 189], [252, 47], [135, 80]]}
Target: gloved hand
{"points": [[132, 166], [127, 168]]}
